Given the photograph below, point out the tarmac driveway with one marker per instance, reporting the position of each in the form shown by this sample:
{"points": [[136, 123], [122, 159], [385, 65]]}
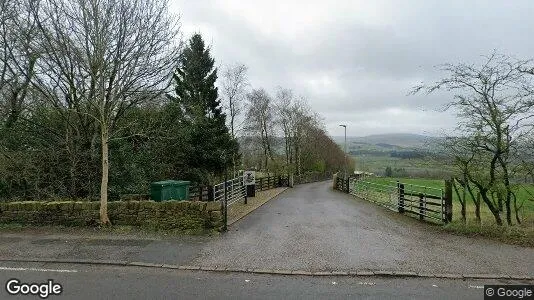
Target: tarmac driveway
{"points": [[313, 228]]}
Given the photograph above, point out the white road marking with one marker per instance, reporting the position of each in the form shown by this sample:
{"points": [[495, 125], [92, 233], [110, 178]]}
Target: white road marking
{"points": [[38, 270], [434, 285], [366, 283]]}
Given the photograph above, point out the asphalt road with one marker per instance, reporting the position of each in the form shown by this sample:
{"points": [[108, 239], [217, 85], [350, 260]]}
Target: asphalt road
{"points": [[313, 228], [99, 282], [84, 245]]}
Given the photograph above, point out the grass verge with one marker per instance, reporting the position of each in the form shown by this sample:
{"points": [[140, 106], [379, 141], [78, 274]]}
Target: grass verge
{"points": [[516, 235]]}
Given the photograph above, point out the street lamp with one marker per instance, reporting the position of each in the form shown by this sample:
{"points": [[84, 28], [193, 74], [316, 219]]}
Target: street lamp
{"points": [[345, 151]]}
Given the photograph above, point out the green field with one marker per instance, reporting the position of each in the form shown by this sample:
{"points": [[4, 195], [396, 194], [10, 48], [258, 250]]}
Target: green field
{"points": [[524, 192], [402, 167]]}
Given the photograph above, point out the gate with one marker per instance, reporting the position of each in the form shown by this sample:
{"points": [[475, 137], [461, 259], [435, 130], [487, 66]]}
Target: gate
{"points": [[235, 191], [423, 202]]}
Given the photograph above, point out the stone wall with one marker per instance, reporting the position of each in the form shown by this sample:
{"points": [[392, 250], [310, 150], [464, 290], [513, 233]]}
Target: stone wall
{"points": [[186, 216]]}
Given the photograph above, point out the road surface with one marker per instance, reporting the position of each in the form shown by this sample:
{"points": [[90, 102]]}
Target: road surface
{"points": [[311, 227], [100, 282]]}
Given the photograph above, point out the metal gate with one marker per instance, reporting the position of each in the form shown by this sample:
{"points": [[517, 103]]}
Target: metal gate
{"points": [[426, 203]]}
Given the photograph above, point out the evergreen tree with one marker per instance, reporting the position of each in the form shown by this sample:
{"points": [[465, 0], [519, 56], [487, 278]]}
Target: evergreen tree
{"points": [[207, 147]]}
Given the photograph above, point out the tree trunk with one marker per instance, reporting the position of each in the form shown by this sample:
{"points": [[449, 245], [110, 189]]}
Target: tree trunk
{"points": [[104, 219], [461, 198], [508, 198], [516, 209], [494, 210], [477, 209], [234, 165], [508, 208]]}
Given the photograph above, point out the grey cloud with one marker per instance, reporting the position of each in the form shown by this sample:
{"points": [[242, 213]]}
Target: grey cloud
{"points": [[355, 71]]}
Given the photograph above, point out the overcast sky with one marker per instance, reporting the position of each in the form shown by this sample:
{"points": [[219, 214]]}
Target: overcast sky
{"points": [[356, 61]]}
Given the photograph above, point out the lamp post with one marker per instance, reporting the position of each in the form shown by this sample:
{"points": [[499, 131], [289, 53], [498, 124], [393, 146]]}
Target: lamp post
{"points": [[345, 152]]}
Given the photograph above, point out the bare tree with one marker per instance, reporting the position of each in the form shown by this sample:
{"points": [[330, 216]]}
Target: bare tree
{"points": [[494, 103], [303, 121], [18, 56], [261, 121], [286, 118], [462, 155], [234, 90], [103, 57]]}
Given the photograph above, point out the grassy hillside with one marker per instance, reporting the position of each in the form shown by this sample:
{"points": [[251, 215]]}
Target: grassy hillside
{"points": [[408, 155], [393, 140]]}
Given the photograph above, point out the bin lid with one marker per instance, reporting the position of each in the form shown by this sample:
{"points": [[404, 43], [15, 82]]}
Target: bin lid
{"points": [[170, 182]]}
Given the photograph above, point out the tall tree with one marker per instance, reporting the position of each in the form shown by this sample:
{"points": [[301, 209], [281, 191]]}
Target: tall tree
{"points": [[18, 57], [208, 146], [260, 116], [101, 58], [234, 88], [285, 118]]}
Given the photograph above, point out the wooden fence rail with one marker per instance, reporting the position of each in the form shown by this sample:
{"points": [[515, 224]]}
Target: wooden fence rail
{"points": [[435, 204]]}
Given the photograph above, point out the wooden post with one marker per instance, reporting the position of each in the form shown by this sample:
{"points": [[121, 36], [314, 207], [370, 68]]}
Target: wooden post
{"points": [[335, 182], [421, 207], [347, 185], [261, 184], [211, 193], [400, 187], [448, 201], [200, 189]]}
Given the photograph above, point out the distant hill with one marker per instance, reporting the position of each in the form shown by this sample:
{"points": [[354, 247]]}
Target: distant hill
{"points": [[389, 141]]}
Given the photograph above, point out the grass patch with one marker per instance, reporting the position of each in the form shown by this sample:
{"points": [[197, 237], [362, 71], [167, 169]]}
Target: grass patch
{"points": [[520, 234], [516, 235], [524, 194], [416, 167]]}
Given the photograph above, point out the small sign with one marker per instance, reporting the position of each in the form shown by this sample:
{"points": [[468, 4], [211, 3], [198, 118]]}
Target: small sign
{"points": [[249, 177]]}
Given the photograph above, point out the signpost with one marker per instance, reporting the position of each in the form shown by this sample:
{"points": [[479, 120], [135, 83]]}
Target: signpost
{"points": [[249, 179]]}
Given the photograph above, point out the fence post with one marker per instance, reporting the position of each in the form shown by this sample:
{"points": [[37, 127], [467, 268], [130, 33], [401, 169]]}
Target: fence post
{"points": [[448, 201], [334, 181], [211, 193], [421, 207], [261, 183], [279, 181], [347, 185], [200, 190], [246, 198], [400, 187]]}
